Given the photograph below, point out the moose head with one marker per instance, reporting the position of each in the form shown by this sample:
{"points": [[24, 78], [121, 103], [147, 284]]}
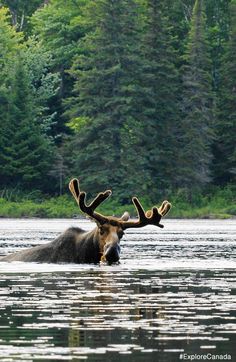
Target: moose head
{"points": [[110, 229]]}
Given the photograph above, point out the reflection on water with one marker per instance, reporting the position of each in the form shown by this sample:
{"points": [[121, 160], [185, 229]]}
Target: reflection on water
{"points": [[174, 292]]}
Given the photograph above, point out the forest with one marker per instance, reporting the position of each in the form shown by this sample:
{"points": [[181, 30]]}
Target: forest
{"points": [[138, 96]]}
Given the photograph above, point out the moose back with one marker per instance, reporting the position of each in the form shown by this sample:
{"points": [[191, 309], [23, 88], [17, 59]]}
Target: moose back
{"points": [[101, 244]]}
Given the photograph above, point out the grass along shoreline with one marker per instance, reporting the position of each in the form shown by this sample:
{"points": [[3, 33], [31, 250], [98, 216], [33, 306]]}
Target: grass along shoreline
{"points": [[220, 204]]}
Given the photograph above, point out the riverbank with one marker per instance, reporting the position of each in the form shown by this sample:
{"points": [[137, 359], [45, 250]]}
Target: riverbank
{"points": [[219, 204]]}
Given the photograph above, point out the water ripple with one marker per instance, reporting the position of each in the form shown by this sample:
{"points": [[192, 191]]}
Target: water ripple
{"points": [[173, 292]]}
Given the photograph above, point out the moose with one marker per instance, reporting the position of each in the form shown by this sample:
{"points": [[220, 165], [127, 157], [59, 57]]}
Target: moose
{"points": [[102, 244]]}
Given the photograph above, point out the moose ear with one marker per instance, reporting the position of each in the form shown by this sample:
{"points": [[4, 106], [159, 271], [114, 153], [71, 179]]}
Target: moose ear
{"points": [[125, 216]]}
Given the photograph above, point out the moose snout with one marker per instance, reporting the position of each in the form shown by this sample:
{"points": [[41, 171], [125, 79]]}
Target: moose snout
{"points": [[112, 252]]}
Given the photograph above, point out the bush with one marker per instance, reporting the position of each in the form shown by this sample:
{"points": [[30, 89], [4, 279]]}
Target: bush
{"points": [[218, 203]]}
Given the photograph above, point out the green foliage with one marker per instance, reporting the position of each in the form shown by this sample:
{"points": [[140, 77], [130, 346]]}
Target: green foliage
{"points": [[162, 85], [197, 107], [21, 10], [224, 165], [44, 83], [216, 203], [59, 26], [10, 42], [78, 123], [121, 94], [25, 120], [218, 17], [219, 203], [28, 154], [109, 95]]}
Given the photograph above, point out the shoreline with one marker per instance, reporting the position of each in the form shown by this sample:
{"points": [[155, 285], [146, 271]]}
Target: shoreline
{"points": [[220, 206]]}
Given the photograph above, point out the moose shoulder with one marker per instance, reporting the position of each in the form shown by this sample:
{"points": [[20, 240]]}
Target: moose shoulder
{"points": [[101, 244], [73, 246]]}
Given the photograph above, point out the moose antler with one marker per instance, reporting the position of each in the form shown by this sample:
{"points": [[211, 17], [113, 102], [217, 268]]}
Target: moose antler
{"points": [[80, 198], [150, 217]]}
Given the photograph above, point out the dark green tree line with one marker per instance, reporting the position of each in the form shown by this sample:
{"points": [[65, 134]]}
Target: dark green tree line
{"points": [[162, 84], [138, 95], [59, 26], [25, 152], [197, 105], [26, 85], [108, 97], [224, 164]]}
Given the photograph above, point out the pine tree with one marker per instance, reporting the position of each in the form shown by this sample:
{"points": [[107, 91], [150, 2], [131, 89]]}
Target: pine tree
{"points": [[218, 16], [225, 146], [197, 105], [4, 121], [10, 45], [108, 99], [161, 81], [26, 153]]}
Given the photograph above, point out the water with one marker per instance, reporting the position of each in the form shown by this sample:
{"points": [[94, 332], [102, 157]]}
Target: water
{"points": [[173, 293]]}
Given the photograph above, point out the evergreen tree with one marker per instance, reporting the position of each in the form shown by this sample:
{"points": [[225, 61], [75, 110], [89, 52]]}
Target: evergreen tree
{"points": [[108, 100], [59, 26], [225, 146], [60, 171], [218, 31], [161, 81], [4, 121], [10, 45], [179, 14], [44, 83], [197, 107], [128, 130], [26, 153]]}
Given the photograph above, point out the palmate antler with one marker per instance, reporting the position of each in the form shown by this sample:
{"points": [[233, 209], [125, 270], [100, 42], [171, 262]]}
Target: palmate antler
{"points": [[150, 217]]}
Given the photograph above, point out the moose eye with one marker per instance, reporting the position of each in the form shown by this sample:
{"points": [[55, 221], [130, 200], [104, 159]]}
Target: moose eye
{"points": [[102, 231]]}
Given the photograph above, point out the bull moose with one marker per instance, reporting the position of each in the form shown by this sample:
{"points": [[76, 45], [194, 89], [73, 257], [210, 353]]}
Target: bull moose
{"points": [[101, 244]]}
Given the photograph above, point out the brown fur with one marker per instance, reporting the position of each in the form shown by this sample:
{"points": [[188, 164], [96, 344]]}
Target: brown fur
{"points": [[101, 244]]}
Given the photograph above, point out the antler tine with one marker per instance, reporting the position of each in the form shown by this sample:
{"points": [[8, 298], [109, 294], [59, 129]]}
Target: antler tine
{"points": [[80, 198], [142, 220], [140, 210], [151, 217], [165, 207], [89, 209], [74, 188], [102, 196]]}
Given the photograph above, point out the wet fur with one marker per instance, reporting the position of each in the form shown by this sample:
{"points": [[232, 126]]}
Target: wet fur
{"points": [[73, 246]]}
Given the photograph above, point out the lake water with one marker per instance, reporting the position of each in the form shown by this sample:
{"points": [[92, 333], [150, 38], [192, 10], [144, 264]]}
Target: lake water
{"points": [[173, 295]]}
